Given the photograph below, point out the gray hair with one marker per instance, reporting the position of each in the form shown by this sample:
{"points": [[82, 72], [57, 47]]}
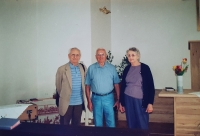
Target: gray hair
{"points": [[101, 49], [135, 50], [74, 48]]}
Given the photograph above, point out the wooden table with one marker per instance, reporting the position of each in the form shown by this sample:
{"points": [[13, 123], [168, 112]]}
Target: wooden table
{"points": [[186, 112]]}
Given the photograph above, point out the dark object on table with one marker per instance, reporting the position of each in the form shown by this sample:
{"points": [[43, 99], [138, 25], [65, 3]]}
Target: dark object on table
{"points": [[169, 89], [33, 99]]}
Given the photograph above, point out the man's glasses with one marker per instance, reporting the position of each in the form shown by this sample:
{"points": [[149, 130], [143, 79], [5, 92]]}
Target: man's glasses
{"points": [[100, 55], [75, 55]]}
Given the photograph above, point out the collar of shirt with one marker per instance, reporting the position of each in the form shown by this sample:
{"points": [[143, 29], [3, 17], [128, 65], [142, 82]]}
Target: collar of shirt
{"points": [[72, 66], [98, 66]]}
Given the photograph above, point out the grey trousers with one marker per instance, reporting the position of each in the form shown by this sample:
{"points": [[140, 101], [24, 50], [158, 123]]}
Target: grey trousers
{"points": [[72, 115]]}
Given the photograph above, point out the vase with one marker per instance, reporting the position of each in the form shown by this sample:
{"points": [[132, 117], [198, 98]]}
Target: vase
{"points": [[179, 84]]}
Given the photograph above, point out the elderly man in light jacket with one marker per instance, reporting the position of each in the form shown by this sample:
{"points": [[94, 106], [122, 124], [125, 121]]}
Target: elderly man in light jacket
{"points": [[71, 89]]}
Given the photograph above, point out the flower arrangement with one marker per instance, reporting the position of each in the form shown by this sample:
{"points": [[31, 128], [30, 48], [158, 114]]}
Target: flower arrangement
{"points": [[181, 69]]}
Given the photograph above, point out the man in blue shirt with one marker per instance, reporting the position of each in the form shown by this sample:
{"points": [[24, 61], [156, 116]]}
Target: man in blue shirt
{"points": [[100, 79]]}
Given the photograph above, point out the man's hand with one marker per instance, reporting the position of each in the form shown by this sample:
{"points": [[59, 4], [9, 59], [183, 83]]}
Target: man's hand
{"points": [[116, 104], [116, 86], [90, 107], [149, 108], [87, 92], [121, 108]]}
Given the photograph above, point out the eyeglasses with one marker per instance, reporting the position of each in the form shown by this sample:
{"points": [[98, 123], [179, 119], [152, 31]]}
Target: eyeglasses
{"points": [[75, 55], [100, 55]]}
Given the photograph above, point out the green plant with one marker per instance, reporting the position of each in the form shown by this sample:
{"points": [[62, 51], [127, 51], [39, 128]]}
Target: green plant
{"points": [[109, 57], [120, 68]]}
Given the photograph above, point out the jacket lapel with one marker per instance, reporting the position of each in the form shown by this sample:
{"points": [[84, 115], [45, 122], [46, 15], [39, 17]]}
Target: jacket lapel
{"points": [[68, 74]]}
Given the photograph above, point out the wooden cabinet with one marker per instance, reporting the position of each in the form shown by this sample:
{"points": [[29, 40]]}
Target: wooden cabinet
{"points": [[186, 113]]}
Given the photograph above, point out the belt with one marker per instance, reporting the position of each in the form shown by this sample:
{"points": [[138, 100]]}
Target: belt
{"points": [[102, 94]]}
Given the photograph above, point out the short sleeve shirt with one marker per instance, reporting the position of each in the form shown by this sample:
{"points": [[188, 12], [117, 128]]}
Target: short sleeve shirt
{"points": [[101, 79]]}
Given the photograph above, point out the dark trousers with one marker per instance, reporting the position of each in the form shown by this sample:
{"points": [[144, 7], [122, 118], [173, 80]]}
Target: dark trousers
{"points": [[136, 115], [73, 114]]}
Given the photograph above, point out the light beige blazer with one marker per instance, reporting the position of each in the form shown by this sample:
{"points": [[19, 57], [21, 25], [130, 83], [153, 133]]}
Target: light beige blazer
{"points": [[64, 86]]}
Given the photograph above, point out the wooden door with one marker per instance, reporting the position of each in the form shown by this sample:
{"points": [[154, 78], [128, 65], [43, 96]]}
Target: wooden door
{"points": [[194, 47]]}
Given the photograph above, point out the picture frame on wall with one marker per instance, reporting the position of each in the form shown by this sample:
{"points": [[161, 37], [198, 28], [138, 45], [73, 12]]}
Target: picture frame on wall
{"points": [[198, 14]]}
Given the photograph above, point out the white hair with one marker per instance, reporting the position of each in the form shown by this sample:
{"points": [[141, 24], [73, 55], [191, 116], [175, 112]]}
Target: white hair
{"points": [[74, 48], [101, 49], [135, 50]]}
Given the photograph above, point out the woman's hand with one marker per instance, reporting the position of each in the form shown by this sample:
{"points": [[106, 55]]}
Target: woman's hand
{"points": [[149, 108], [121, 108]]}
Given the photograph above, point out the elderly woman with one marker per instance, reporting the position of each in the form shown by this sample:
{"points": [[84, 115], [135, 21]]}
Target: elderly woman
{"points": [[137, 91]]}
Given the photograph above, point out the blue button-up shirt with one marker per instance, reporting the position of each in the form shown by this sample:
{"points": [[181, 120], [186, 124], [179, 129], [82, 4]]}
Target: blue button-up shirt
{"points": [[101, 79]]}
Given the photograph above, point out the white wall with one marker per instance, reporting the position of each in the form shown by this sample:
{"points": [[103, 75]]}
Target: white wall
{"points": [[60, 26], [35, 39], [18, 43], [1, 63], [160, 29], [100, 26]]}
